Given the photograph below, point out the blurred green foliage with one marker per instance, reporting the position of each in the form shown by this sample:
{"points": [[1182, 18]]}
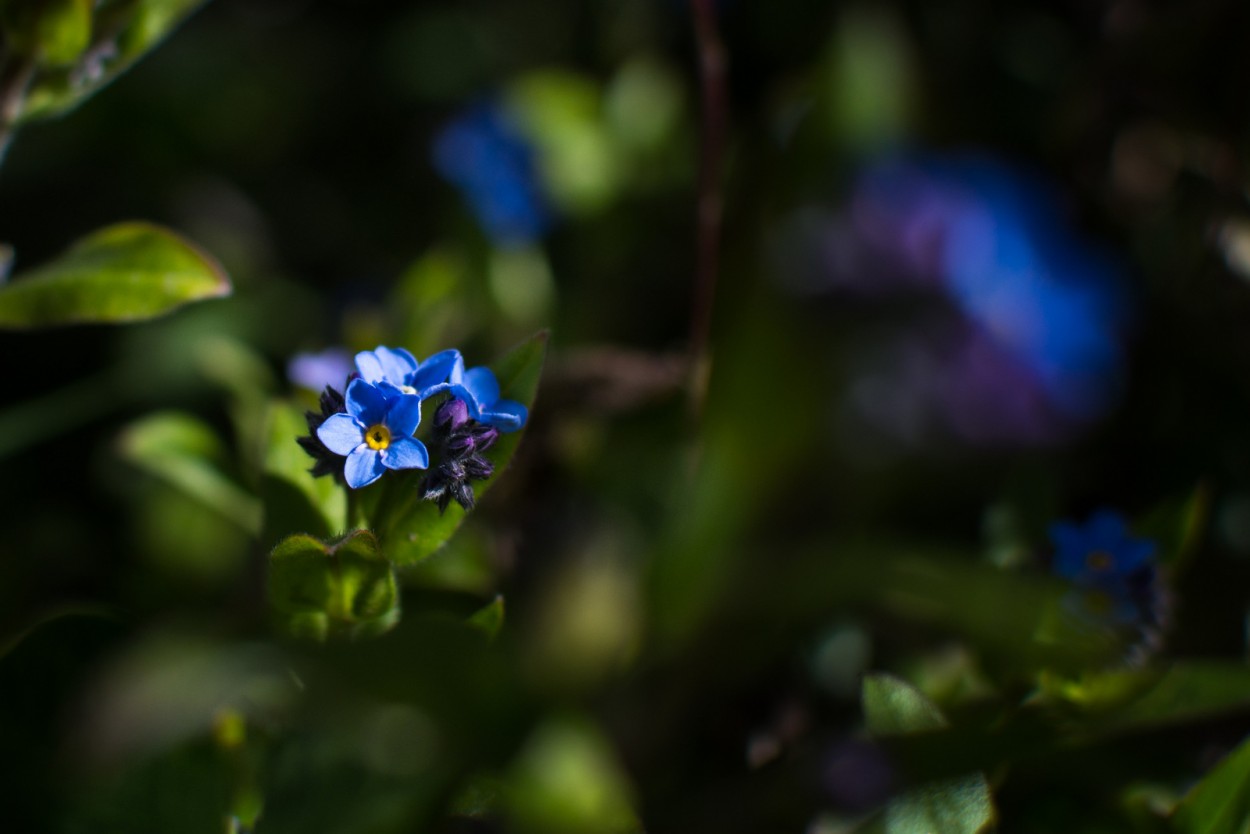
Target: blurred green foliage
{"points": [[660, 615]]}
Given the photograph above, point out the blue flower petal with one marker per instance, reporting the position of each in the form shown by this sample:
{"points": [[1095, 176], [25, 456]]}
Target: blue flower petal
{"points": [[393, 365], [1132, 555], [404, 415], [366, 402], [390, 392], [363, 467], [434, 373], [406, 453], [341, 433], [481, 383], [1106, 529], [505, 415]]}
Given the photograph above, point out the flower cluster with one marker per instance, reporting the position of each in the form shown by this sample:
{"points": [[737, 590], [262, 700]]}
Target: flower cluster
{"points": [[359, 434], [1116, 576]]}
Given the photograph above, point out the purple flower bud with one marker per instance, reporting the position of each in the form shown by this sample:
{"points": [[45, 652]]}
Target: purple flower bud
{"points": [[453, 414], [464, 495], [478, 467], [484, 437], [460, 443]]}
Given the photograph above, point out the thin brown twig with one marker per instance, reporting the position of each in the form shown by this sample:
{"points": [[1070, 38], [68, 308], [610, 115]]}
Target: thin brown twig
{"points": [[712, 72]]}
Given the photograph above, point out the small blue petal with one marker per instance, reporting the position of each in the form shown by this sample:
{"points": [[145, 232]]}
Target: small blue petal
{"points": [[1106, 529], [366, 402], [404, 415], [390, 392], [393, 365], [341, 433], [406, 453], [370, 366], [397, 364], [481, 383], [363, 467], [437, 369], [505, 415]]}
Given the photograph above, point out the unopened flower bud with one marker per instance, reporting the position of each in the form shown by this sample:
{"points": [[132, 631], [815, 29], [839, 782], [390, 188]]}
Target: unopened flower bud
{"points": [[452, 414]]}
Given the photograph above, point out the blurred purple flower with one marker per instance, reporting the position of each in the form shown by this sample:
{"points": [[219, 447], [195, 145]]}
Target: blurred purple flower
{"points": [[1036, 347], [315, 371], [485, 154]]}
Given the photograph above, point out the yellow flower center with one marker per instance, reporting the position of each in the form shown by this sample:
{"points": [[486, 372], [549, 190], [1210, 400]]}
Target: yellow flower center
{"points": [[1099, 561], [378, 436], [407, 389]]}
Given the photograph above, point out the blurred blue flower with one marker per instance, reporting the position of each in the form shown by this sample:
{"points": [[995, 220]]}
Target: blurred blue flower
{"points": [[315, 371], [396, 371], [1101, 553], [479, 390], [1042, 315], [375, 434], [484, 154]]}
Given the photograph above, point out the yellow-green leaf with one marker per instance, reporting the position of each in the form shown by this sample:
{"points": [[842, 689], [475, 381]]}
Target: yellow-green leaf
{"points": [[122, 273]]}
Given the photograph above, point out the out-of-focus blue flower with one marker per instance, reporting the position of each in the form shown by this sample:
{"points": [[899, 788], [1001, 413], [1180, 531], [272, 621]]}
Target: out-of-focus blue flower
{"points": [[479, 390], [396, 371], [315, 371], [375, 434], [1101, 553], [484, 154], [1043, 314]]}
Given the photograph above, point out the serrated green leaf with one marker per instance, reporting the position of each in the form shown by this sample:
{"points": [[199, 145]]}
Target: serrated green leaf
{"points": [[347, 589], [415, 529], [122, 273], [962, 805], [1220, 803], [184, 452], [489, 618], [124, 31]]}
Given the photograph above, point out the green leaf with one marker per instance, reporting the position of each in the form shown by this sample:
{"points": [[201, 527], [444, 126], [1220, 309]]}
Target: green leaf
{"points": [[489, 618], [184, 452], [1186, 691], [1220, 803], [294, 499], [567, 779], [124, 31], [413, 529], [54, 32], [126, 272], [951, 806], [892, 706], [962, 805], [342, 590]]}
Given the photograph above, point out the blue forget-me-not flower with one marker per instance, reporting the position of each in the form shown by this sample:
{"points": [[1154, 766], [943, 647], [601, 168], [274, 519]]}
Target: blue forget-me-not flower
{"points": [[1117, 580], [485, 154], [373, 426], [375, 434], [1102, 552], [479, 390]]}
